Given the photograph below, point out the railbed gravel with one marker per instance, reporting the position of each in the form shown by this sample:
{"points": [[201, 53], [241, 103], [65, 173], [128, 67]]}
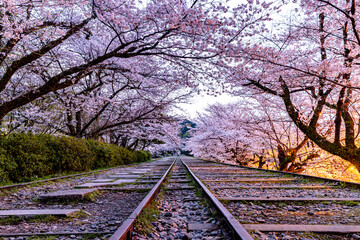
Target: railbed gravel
{"points": [[258, 235], [105, 214], [178, 208], [295, 213], [300, 193]]}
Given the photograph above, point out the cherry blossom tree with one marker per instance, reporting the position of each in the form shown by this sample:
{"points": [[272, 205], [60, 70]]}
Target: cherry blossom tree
{"points": [[155, 136], [47, 46], [220, 134], [110, 100], [251, 132], [310, 64]]}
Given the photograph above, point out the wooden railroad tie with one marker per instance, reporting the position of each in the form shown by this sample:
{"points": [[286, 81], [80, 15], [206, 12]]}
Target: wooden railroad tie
{"points": [[282, 199], [275, 187], [37, 212], [94, 185], [67, 194], [303, 228], [253, 180]]}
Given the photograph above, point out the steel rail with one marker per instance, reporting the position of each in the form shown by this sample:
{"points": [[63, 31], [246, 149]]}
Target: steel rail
{"points": [[238, 230], [124, 231]]}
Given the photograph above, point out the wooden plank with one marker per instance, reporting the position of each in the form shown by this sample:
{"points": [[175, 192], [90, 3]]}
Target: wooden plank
{"points": [[117, 182], [131, 176], [145, 181], [35, 212], [236, 175], [254, 180], [347, 183], [102, 180], [281, 199], [124, 189], [55, 178], [179, 188], [67, 194], [303, 228], [179, 177], [274, 187], [201, 226], [140, 171], [179, 181]]}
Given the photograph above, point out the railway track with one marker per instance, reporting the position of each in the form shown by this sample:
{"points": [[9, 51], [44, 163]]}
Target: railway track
{"points": [[79, 207], [183, 212], [241, 203], [273, 205]]}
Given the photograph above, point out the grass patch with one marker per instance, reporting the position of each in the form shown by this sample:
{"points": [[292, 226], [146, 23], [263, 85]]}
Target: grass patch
{"points": [[12, 220], [151, 213], [7, 192], [91, 197], [143, 221], [43, 237], [42, 218], [307, 180], [324, 236], [80, 214], [348, 203], [286, 175], [15, 220]]}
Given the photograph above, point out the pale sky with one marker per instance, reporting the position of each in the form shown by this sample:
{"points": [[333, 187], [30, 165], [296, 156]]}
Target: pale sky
{"points": [[198, 104]]}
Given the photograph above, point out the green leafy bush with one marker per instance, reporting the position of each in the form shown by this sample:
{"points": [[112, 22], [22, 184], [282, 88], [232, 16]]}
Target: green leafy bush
{"points": [[107, 155], [29, 154], [71, 154], [26, 156], [142, 156], [7, 165]]}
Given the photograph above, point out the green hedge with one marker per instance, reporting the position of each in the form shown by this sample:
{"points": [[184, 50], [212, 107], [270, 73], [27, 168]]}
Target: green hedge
{"points": [[25, 157]]}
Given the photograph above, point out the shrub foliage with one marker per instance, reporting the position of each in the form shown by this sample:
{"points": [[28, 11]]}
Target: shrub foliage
{"points": [[27, 156]]}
